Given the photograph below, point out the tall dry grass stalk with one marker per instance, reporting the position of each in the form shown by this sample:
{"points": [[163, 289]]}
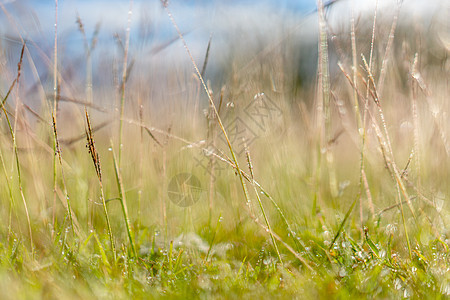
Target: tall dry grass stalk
{"points": [[323, 104], [362, 181], [211, 138], [385, 143], [55, 110], [266, 220], [56, 145], [96, 161]]}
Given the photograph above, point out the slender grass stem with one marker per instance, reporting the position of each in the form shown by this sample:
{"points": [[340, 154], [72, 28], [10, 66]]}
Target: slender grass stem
{"points": [[19, 176], [399, 197], [54, 112], [12, 202], [59, 156], [123, 202], [269, 228], [141, 157], [395, 170]]}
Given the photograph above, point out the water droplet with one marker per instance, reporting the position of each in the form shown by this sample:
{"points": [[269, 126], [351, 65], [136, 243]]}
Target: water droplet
{"points": [[405, 293], [391, 229], [109, 149], [397, 284]]}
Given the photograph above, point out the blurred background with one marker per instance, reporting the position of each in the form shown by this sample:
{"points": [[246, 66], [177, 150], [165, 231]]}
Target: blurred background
{"points": [[254, 47], [238, 31]]}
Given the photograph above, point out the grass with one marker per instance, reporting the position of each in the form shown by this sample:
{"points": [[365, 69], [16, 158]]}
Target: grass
{"points": [[347, 194]]}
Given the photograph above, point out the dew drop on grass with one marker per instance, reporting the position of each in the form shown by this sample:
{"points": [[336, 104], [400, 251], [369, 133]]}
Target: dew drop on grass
{"points": [[391, 229], [109, 149], [397, 284], [406, 293], [327, 234], [384, 272]]}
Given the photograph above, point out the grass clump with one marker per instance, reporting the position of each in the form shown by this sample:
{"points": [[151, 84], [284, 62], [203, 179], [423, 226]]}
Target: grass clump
{"points": [[348, 177]]}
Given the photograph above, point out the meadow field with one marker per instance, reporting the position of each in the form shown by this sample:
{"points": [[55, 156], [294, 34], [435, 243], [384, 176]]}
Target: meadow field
{"points": [[284, 166]]}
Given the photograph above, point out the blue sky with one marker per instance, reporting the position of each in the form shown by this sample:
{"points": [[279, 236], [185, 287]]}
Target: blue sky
{"points": [[35, 18], [226, 19]]}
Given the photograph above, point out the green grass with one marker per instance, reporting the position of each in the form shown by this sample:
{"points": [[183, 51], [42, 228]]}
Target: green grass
{"points": [[342, 194]]}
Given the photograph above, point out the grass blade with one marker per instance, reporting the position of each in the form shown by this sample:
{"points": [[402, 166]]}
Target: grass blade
{"points": [[347, 215], [123, 202]]}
